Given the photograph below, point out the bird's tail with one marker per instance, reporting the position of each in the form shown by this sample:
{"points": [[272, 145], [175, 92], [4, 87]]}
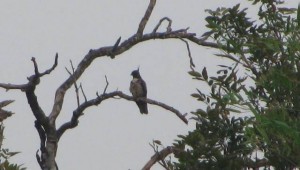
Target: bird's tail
{"points": [[143, 107]]}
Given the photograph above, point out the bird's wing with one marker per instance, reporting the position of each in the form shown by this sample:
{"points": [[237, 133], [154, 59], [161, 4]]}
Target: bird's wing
{"points": [[144, 87], [131, 87]]}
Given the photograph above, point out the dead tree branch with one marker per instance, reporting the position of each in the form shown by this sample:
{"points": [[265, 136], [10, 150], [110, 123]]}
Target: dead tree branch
{"points": [[36, 70], [34, 80], [158, 156], [106, 51], [82, 91], [192, 65], [169, 27], [145, 19], [118, 49], [112, 55], [46, 132], [29, 89], [13, 86], [107, 83], [75, 83], [100, 98]]}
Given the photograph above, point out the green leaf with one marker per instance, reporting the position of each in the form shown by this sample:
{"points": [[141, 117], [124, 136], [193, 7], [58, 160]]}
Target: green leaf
{"points": [[281, 124], [198, 96], [12, 153], [158, 142], [204, 73], [233, 110], [5, 103], [195, 73]]}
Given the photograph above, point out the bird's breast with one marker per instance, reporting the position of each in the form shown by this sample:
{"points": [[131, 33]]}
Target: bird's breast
{"points": [[136, 88]]}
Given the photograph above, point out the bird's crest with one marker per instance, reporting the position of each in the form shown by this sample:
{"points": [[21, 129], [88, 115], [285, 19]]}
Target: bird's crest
{"points": [[136, 73]]}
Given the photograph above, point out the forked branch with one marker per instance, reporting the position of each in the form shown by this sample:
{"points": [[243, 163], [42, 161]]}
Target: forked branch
{"points": [[145, 19], [107, 51], [36, 70]]}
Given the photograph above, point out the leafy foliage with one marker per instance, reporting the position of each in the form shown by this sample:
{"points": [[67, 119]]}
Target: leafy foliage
{"points": [[5, 154], [263, 81]]}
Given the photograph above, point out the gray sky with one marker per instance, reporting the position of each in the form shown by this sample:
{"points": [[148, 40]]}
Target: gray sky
{"points": [[113, 135]]}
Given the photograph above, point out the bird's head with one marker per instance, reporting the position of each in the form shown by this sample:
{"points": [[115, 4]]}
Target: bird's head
{"points": [[136, 74]]}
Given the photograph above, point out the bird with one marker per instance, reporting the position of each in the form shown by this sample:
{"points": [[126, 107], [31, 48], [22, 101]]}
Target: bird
{"points": [[138, 90]]}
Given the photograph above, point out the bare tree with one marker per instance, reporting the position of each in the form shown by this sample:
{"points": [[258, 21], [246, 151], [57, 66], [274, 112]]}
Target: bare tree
{"points": [[46, 123]]}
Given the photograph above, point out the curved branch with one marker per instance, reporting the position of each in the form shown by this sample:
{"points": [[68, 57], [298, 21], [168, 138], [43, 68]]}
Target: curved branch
{"points": [[36, 70], [117, 49], [192, 65], [94, 102], [52, 68], [169, 29], [106, 51], [161, 155]]}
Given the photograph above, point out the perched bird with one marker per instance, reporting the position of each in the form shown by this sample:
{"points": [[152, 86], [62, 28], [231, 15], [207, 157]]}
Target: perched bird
{"points": [[138, 89]]}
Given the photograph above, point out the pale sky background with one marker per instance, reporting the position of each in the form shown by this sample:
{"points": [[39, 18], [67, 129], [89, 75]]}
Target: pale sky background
{"points": [[114, 135]]}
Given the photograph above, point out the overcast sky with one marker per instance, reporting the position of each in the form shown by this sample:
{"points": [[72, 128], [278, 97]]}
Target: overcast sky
{"points": [[113, 135]]}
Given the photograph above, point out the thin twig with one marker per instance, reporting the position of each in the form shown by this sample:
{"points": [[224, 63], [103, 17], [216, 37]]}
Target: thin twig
{"points": [[104, 91], [192, 65], [75, 83], [36, 69], [85, 99], [169, 29], [164, 164], [68, 70], [52, 68], [115, 47]]}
